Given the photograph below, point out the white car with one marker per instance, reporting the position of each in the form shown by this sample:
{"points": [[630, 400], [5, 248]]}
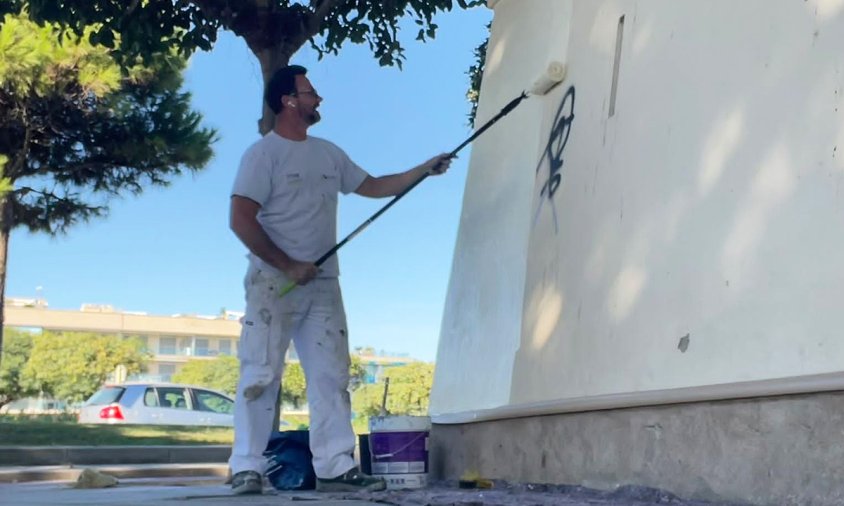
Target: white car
{"points": [[158, 404], [35, 406]]}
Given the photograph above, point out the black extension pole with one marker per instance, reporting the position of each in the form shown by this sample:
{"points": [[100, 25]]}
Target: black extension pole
{"points": [[328, 254]]}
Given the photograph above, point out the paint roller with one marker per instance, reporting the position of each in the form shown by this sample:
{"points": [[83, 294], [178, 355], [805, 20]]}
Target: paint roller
{"points": [[554, 74]]}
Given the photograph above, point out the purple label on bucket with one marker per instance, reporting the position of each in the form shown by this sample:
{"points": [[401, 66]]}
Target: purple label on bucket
{"points": [[400, 447]]}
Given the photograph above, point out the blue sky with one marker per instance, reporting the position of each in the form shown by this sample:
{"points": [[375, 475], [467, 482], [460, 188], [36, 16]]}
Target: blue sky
{"points": [[170, 250]]}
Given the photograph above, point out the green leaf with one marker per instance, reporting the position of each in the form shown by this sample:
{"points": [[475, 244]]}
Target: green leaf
{"points": [[408, 394], [220, 374], [73, 365], [5, 183], [96, 126], [17, 348], [475, 73]]}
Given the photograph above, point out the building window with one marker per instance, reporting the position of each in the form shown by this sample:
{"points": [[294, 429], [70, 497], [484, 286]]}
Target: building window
{"points": [[166, 371], [201, 347], [167, 346], [225, 346]]}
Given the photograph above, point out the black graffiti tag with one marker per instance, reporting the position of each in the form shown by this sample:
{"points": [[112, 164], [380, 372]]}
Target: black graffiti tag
{"points": [[557, 141]]}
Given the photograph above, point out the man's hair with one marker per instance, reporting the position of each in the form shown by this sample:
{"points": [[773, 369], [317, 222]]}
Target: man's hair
{"points": [[283, 82]]}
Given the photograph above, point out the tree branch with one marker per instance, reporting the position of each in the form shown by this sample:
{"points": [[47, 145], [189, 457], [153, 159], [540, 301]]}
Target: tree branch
{"points": [[131, 8], [24, 190], [68, 198], [227, 15], [15, 167], [321, 9]]}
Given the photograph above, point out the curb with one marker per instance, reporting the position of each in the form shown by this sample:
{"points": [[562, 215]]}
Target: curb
{"points": [[117, 455], [70, 474]]}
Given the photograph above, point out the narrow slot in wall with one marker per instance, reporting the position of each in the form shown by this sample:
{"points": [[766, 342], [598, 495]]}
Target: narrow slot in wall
{"points": [[619, 37]]}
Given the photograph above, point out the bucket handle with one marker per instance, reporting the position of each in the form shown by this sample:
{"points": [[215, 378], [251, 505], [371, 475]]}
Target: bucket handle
{"points": [[403, 448]]}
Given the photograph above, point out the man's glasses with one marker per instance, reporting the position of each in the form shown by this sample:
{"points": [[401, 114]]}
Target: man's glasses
{"points": [[307, 92]]}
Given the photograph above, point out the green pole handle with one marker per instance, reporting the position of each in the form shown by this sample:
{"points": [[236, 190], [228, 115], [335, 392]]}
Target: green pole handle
{"points": [[287, 289]]}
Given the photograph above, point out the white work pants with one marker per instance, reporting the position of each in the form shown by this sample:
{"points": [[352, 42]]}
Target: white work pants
{"points": [[313, 317]]}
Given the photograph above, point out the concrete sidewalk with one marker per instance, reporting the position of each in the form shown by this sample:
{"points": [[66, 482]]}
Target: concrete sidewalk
{"points": [[201, 491], [202, 483], [167, 492]]}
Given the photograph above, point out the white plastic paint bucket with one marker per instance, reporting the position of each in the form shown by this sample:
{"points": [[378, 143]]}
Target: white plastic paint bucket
{"points": [[398, 447]]}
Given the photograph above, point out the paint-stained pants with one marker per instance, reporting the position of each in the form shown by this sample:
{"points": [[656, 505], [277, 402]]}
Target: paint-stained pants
{"points": [[313, 317]]}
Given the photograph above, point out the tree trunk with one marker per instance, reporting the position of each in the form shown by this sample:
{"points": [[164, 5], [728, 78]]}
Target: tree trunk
{"points": [[5, 228], [271, 59]]}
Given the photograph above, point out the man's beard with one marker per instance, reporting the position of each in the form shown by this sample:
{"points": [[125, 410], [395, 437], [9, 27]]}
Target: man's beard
{"points": [[313, 117]]}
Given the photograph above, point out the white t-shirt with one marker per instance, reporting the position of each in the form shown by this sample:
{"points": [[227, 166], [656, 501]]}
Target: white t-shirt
{"points": [[296, 183]]}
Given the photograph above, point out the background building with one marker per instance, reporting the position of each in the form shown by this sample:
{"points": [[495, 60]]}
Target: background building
{"points": [[172, 340]]}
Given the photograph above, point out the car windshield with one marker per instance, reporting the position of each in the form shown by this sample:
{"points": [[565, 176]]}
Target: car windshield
{"points": [[105, 395]]}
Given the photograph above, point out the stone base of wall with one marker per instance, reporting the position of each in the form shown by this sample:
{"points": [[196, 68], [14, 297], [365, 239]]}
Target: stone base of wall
{"points": [[785, 450]]}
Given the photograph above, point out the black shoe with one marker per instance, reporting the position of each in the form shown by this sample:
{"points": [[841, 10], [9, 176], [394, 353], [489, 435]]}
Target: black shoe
{"points": [[247, 482], [351, 481]]}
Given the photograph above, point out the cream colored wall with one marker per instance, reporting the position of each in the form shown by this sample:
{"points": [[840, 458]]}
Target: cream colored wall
{"points": [[708, 206], [482, 319]]}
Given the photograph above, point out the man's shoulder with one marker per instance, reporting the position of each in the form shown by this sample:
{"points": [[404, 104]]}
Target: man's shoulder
{"points": [[267, 146], [324, 144], [269, 141]]}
